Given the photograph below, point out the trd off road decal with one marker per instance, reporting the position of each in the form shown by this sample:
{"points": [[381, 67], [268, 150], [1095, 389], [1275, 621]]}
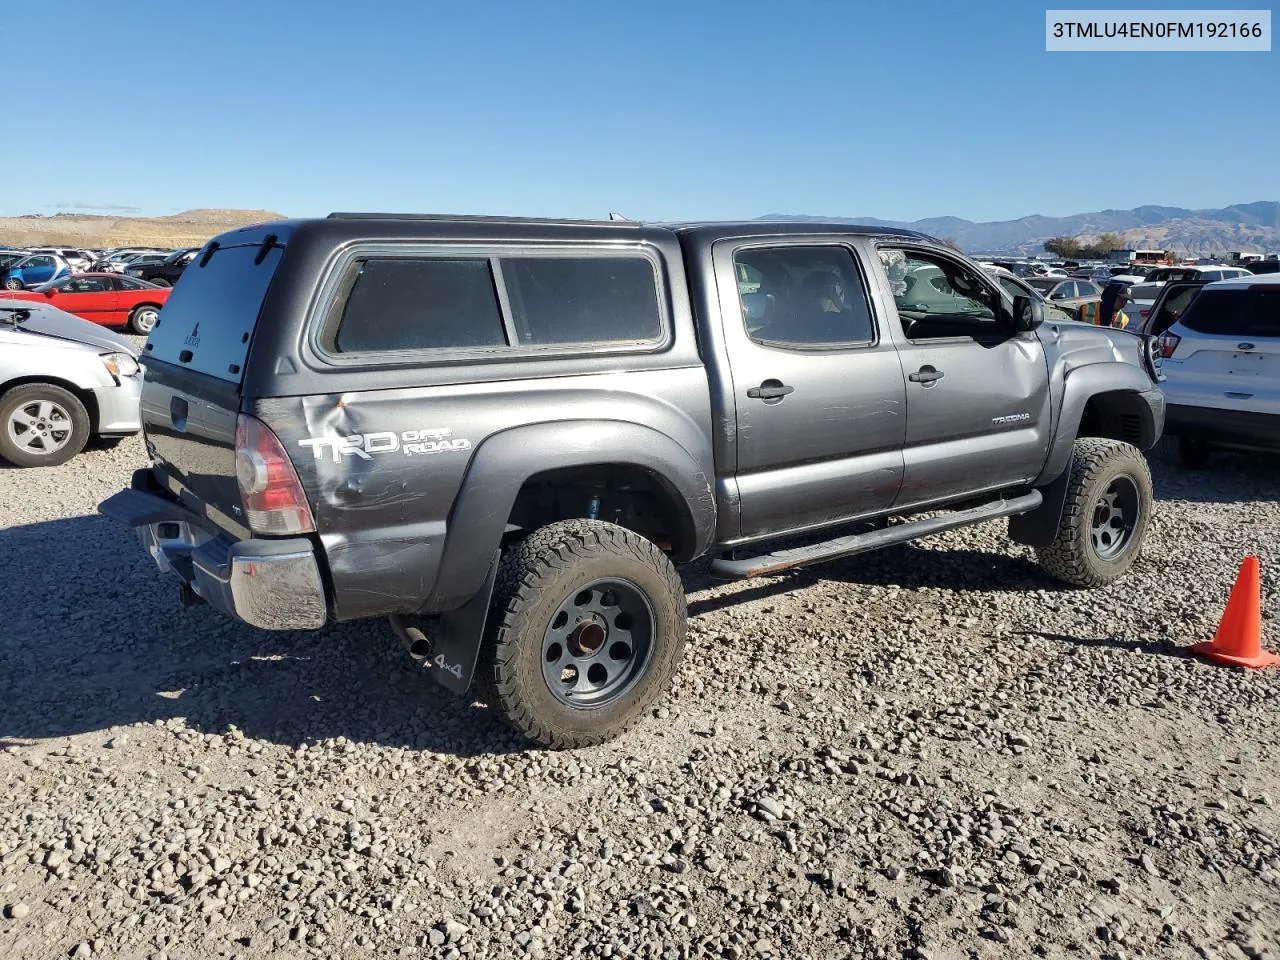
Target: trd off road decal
{"points": [[367, 445]]}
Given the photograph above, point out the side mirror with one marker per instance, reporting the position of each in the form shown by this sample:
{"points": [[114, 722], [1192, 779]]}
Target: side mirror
{"points": [[1027, 314], [49, 293]]}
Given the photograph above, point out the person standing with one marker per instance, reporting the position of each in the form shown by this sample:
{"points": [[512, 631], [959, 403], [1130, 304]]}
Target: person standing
{"points": [[1111, 310]]}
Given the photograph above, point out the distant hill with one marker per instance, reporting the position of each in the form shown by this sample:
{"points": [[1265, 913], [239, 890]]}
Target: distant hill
{"points": [[1247, 227], [187, 229]]}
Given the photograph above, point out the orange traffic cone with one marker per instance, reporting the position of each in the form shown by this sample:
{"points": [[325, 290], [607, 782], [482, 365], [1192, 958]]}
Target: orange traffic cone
{"points": [[1238, 642]]}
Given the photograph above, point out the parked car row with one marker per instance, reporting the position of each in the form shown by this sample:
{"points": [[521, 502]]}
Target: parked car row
{"points": [[27, 269]]}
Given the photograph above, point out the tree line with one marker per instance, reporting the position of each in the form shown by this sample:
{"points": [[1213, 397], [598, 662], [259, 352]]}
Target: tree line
{"points": [[1075, 248]]}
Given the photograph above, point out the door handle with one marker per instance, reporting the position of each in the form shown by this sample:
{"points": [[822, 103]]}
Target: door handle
{"points": [[926, 375], [769, 390]]}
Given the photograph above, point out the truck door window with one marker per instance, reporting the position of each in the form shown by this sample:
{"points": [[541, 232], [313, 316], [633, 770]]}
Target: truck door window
{"points": [[939, 298], [802, 298]]}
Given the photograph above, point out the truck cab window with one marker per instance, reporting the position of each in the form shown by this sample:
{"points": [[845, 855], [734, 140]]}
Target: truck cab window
{"points": [[803, 297], [939, 298]]}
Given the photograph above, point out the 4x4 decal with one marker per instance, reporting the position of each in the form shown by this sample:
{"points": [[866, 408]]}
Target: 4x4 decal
{"points": [[367, 445]]}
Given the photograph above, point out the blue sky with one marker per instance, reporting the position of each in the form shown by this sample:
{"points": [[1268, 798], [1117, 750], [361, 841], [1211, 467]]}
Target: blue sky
{"points": [[658, 110]]}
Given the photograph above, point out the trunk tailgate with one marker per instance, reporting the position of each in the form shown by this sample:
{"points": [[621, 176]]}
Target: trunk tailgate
{"points": [[194, 360]]}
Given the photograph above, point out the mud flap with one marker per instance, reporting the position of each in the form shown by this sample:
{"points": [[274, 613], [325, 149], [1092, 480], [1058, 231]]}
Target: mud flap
{"points": [[455, 637], [1039, 527]]}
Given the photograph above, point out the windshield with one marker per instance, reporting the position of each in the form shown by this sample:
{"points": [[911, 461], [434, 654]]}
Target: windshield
{"points": [[1043, 284]]}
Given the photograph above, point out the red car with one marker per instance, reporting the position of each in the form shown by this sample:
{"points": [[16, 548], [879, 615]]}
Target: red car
{"points": [[102, 298]]}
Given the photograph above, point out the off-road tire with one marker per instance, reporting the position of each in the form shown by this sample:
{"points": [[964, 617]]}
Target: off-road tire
{"points": [[534, 578], [27, 393], [1096, 463]]}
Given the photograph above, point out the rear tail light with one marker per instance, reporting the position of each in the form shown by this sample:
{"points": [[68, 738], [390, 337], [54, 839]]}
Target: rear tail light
{"points": [[269, 487], [1166, 343]]}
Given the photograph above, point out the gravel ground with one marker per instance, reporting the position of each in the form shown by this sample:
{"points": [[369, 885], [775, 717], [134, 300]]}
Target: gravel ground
{"points": [[927, 752]]}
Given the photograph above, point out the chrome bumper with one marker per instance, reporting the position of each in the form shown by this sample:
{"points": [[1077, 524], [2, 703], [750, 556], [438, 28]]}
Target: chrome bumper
{"points": [[272, 584]]}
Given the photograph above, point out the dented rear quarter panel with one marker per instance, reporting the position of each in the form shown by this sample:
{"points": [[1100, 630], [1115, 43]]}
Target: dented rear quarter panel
{"points": [[388, 513]]}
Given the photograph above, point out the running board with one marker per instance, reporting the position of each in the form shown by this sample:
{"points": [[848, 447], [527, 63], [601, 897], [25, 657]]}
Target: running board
{"points": [[771, 563]]}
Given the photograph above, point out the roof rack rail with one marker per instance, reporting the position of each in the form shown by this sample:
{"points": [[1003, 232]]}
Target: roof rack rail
{"points": [[473, 218]]}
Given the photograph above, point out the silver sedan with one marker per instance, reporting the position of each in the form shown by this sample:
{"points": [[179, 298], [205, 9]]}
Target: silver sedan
{"points": [[63, 380]]}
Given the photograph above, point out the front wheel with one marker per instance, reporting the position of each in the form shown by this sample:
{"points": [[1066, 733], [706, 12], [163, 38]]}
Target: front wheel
{"points": [[586, 630], [41, 425], [143, 318], [1105, 516]]}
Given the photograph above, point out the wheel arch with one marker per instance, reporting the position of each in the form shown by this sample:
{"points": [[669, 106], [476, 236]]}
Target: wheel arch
{"points": [[509, 464], [1114, 401], [1106, 400], [86, 397]]}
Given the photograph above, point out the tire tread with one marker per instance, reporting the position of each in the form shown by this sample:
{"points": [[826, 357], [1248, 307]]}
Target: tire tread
{"points": [[556, 549], [1067, 557]]}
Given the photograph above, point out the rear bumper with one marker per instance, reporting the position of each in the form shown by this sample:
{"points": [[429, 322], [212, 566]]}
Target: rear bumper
{"points": [[271, 584], [1232, 428]]}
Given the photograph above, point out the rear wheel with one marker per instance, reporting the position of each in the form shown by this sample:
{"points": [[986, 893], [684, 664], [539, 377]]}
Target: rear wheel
{"points": [[586, 630], [13, 283], [41, 425], [161, 282], [143, 318], [1104, 519]]}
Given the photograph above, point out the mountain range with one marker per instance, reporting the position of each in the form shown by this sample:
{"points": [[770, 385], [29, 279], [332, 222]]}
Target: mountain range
{"points": [[1246, 227]]}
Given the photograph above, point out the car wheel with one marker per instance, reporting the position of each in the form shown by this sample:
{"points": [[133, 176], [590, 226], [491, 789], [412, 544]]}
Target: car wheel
{"points": [[41, 425], [13, 283], [161, 282], [143, 318], [1105, 516], [1193, 453], [586, 630]]}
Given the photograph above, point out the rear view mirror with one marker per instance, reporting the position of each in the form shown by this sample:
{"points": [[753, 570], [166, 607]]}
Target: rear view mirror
{"points": [[1027, 314]]}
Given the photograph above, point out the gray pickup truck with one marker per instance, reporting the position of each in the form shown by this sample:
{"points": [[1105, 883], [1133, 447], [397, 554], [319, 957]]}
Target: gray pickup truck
{"points": [[503, 435]]}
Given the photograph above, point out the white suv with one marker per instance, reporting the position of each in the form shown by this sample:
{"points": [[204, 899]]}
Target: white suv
{"points": [[1220, 352]]}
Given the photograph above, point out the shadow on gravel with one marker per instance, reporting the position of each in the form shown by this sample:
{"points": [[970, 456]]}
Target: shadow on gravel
{"points": [[1228, 477], [909, 566], [1162, 648], [91, 638]]}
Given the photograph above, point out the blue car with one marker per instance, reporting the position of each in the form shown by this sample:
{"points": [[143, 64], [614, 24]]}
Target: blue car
{"points": [[33, 270]]}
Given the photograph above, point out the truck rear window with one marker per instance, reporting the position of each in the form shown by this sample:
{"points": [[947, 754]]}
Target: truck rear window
{"points": [[208, 320], [1241, 312]]}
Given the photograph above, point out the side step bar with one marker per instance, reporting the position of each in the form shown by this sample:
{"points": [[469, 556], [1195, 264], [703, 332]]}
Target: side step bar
{"points": [[772, 563]]}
